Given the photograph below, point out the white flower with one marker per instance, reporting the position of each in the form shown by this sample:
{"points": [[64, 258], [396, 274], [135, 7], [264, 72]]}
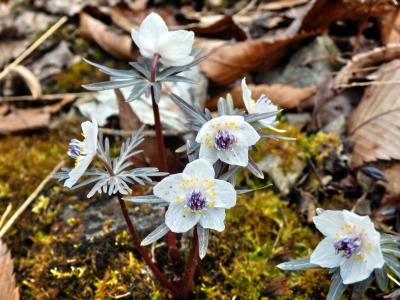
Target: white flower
{"points": [[260, 106], [194, 196], [82, 152], [227, 138], [351, 243], [153, 37]]}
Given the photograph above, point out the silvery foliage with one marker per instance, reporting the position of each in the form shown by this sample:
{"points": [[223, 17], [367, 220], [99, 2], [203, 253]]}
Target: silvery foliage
{"points": [[139, 77], [123, 175], [197, 118], [390, 246]]}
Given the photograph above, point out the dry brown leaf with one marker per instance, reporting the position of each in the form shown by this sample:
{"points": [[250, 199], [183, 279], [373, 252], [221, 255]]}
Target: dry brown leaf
{"points": [[374, 126], [229, 62], [127, 18], [393, 175], [360, 65], [128, 120], [22, 119], [8, 290], [118, 45], [390, 27], [283, 95], [325, 12]]}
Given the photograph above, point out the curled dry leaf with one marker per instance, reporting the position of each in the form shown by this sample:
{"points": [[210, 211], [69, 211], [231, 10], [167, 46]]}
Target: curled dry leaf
{"points": [[8, 290], [283, 95], [117, 44], [30, 79], [374, 126], [229, 62], [362, 64]]}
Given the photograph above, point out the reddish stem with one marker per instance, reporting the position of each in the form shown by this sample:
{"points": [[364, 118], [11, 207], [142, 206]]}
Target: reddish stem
{"points": [[143, 251], [137, 240], [171, 237], [190, 268]]}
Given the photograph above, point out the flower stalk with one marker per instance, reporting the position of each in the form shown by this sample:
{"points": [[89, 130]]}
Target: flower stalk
{"points": [[137, 240], [191, 267], [171, 237]]}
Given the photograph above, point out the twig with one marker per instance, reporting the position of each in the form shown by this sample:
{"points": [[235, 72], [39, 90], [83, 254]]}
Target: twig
{"points": [[49, 97], [375, 82], [30, 199], [5, 214], [33, 47], [363, 24]]}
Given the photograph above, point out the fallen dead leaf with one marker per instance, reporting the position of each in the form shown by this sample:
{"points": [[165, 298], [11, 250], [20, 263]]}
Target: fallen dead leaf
{"points": [[390, 27], [324, 12], [15, 119], [283, 95], [128, 120], [71, 7], [229, 62], [117, 44], [8, 290], [374, 126], [393, 175], [362, 64]]}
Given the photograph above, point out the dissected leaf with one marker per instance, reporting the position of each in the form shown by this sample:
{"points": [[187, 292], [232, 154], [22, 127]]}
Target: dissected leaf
{"points": [[374, 126], [117, 44], [229, 62], [8, 290], [283, 95]]}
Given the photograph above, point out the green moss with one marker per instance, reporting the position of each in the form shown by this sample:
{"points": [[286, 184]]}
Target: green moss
{"points": [[54, 261]]}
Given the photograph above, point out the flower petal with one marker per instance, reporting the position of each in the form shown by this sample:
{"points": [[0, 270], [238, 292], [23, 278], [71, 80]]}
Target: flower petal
{"points": [[373, 256], [150, 33], [325, 254], [170, 187], [90, 132], [178, 220], [176, 61], [354, 270], [246, 134], [77, 172], [239, 155], [246, 96], [208, 153], [200, 168], [213, 218], [329, 222], [176, 46], [225, 195]]}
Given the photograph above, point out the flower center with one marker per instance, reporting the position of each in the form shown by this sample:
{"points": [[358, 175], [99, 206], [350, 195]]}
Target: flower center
{"points": [[74, 148], [196, 201], [348, 246], [224, 140]]}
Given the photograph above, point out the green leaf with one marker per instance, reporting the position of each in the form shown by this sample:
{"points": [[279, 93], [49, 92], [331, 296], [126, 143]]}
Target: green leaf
{"points": [[381, 278], [337, 287], [297, 264], [359, 288]]}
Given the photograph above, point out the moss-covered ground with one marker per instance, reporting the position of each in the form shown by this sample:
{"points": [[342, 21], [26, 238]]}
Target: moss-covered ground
{"points": [[54, 261]]}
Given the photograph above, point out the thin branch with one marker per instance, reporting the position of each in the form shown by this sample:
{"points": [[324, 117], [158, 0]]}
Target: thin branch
{"points": [[30, 199], [33, 47]]}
